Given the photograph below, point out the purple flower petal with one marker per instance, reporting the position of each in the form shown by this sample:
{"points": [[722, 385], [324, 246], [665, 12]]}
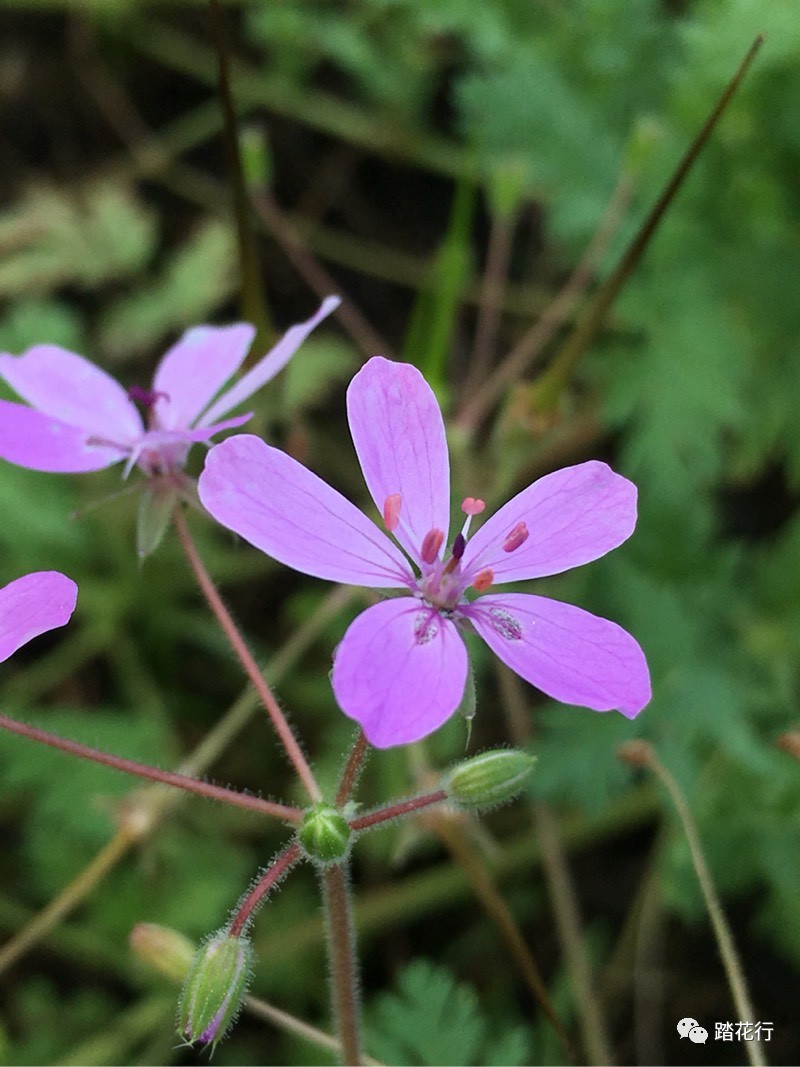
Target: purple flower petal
{"points": [[570, 517], [269, 365], [73, 390], [32, 605], [569, 654], [195, 369], [42, 443], [399, 671], [273, 502], [399, 436]]}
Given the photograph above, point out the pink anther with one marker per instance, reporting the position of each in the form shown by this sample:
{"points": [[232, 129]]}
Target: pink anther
{"points": [[516, 537], [391, 511], [470, 505], [431, 544], [483, 580]]}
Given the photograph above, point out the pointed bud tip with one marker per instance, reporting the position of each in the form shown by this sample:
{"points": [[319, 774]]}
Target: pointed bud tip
{"points": [[489, 778]]}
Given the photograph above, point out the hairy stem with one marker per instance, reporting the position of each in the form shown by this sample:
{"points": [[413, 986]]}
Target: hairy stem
{"points": [[292, 1025], [282, 728], [341, 947], [268, 880], [153, 774], [352, 769], [394, 811]]}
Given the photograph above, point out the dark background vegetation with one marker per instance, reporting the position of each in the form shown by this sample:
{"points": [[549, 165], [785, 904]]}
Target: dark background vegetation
{"points": [[400, 135]]}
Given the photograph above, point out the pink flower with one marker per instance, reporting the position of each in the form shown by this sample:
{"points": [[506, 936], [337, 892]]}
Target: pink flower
{"points": [[32, 605], [401, 668], [81, 419]]}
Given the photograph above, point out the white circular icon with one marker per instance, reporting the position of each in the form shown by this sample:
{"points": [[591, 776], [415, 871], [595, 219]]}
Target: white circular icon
{"points": [[699, 1035], [685, 1025]]}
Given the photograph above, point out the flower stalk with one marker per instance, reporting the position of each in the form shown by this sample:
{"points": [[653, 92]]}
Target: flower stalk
{"points": [[223, 616], [341, 950]]}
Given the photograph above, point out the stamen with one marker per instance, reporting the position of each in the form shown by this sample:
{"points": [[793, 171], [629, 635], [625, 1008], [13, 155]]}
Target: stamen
{"points": [[516, 537], [391, 511], [459, 544], [431, 544], [472, 506], [483, 580]]}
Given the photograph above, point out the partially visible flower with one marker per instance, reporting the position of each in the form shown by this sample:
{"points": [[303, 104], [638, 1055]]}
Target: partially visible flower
{"points": [[32, 605], [82, 419], [401, 668]]}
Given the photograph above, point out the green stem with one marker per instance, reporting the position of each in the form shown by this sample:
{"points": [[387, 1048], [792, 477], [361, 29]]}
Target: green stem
{"points": [[341, 947], [642, 754], [253, 306]]}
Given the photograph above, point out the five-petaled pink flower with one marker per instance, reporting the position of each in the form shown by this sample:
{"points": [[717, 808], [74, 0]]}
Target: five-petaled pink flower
{"points": [[401, 668], [81, 419], [32, 605]]}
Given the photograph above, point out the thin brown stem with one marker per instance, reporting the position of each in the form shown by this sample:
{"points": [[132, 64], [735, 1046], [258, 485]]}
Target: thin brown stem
{"points": [[483, 885], [153, 774], [309, 267], [563, 898], [282, 728], [341, 946], [533, 342], [352, 769], [268, 880], [642, 754], [498, 256], [395, 811]]}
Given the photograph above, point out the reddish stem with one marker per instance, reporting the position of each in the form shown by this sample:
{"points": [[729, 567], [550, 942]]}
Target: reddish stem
{"points": [[270, 878], [393, 811], [142, 770], [284, 731], [352, 769]]}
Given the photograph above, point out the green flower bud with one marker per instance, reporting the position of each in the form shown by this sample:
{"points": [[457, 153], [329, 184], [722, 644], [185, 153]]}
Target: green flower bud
{"points": [[163, 950], [214, 988], [488, 779], [325, 835]]}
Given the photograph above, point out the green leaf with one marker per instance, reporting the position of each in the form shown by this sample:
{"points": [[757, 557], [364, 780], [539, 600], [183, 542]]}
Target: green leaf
{"points": [[195, 281], [433, 1020]]}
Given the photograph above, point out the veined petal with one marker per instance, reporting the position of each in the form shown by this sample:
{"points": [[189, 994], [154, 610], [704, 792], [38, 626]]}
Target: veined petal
{"points": [[32, 605], [566, 652], [41, 443], [399, 671], [195, 369], [269, 365], [273, 502], [70, 388], [570, 517], [399, 436]]}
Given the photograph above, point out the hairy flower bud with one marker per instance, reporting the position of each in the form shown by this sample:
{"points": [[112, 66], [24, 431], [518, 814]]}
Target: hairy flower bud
{"points": [[488, 779], [214, 988], [325, 834]]}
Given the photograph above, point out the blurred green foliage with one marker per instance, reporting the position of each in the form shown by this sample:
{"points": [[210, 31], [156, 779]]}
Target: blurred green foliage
{"points": [[422, 119]]}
